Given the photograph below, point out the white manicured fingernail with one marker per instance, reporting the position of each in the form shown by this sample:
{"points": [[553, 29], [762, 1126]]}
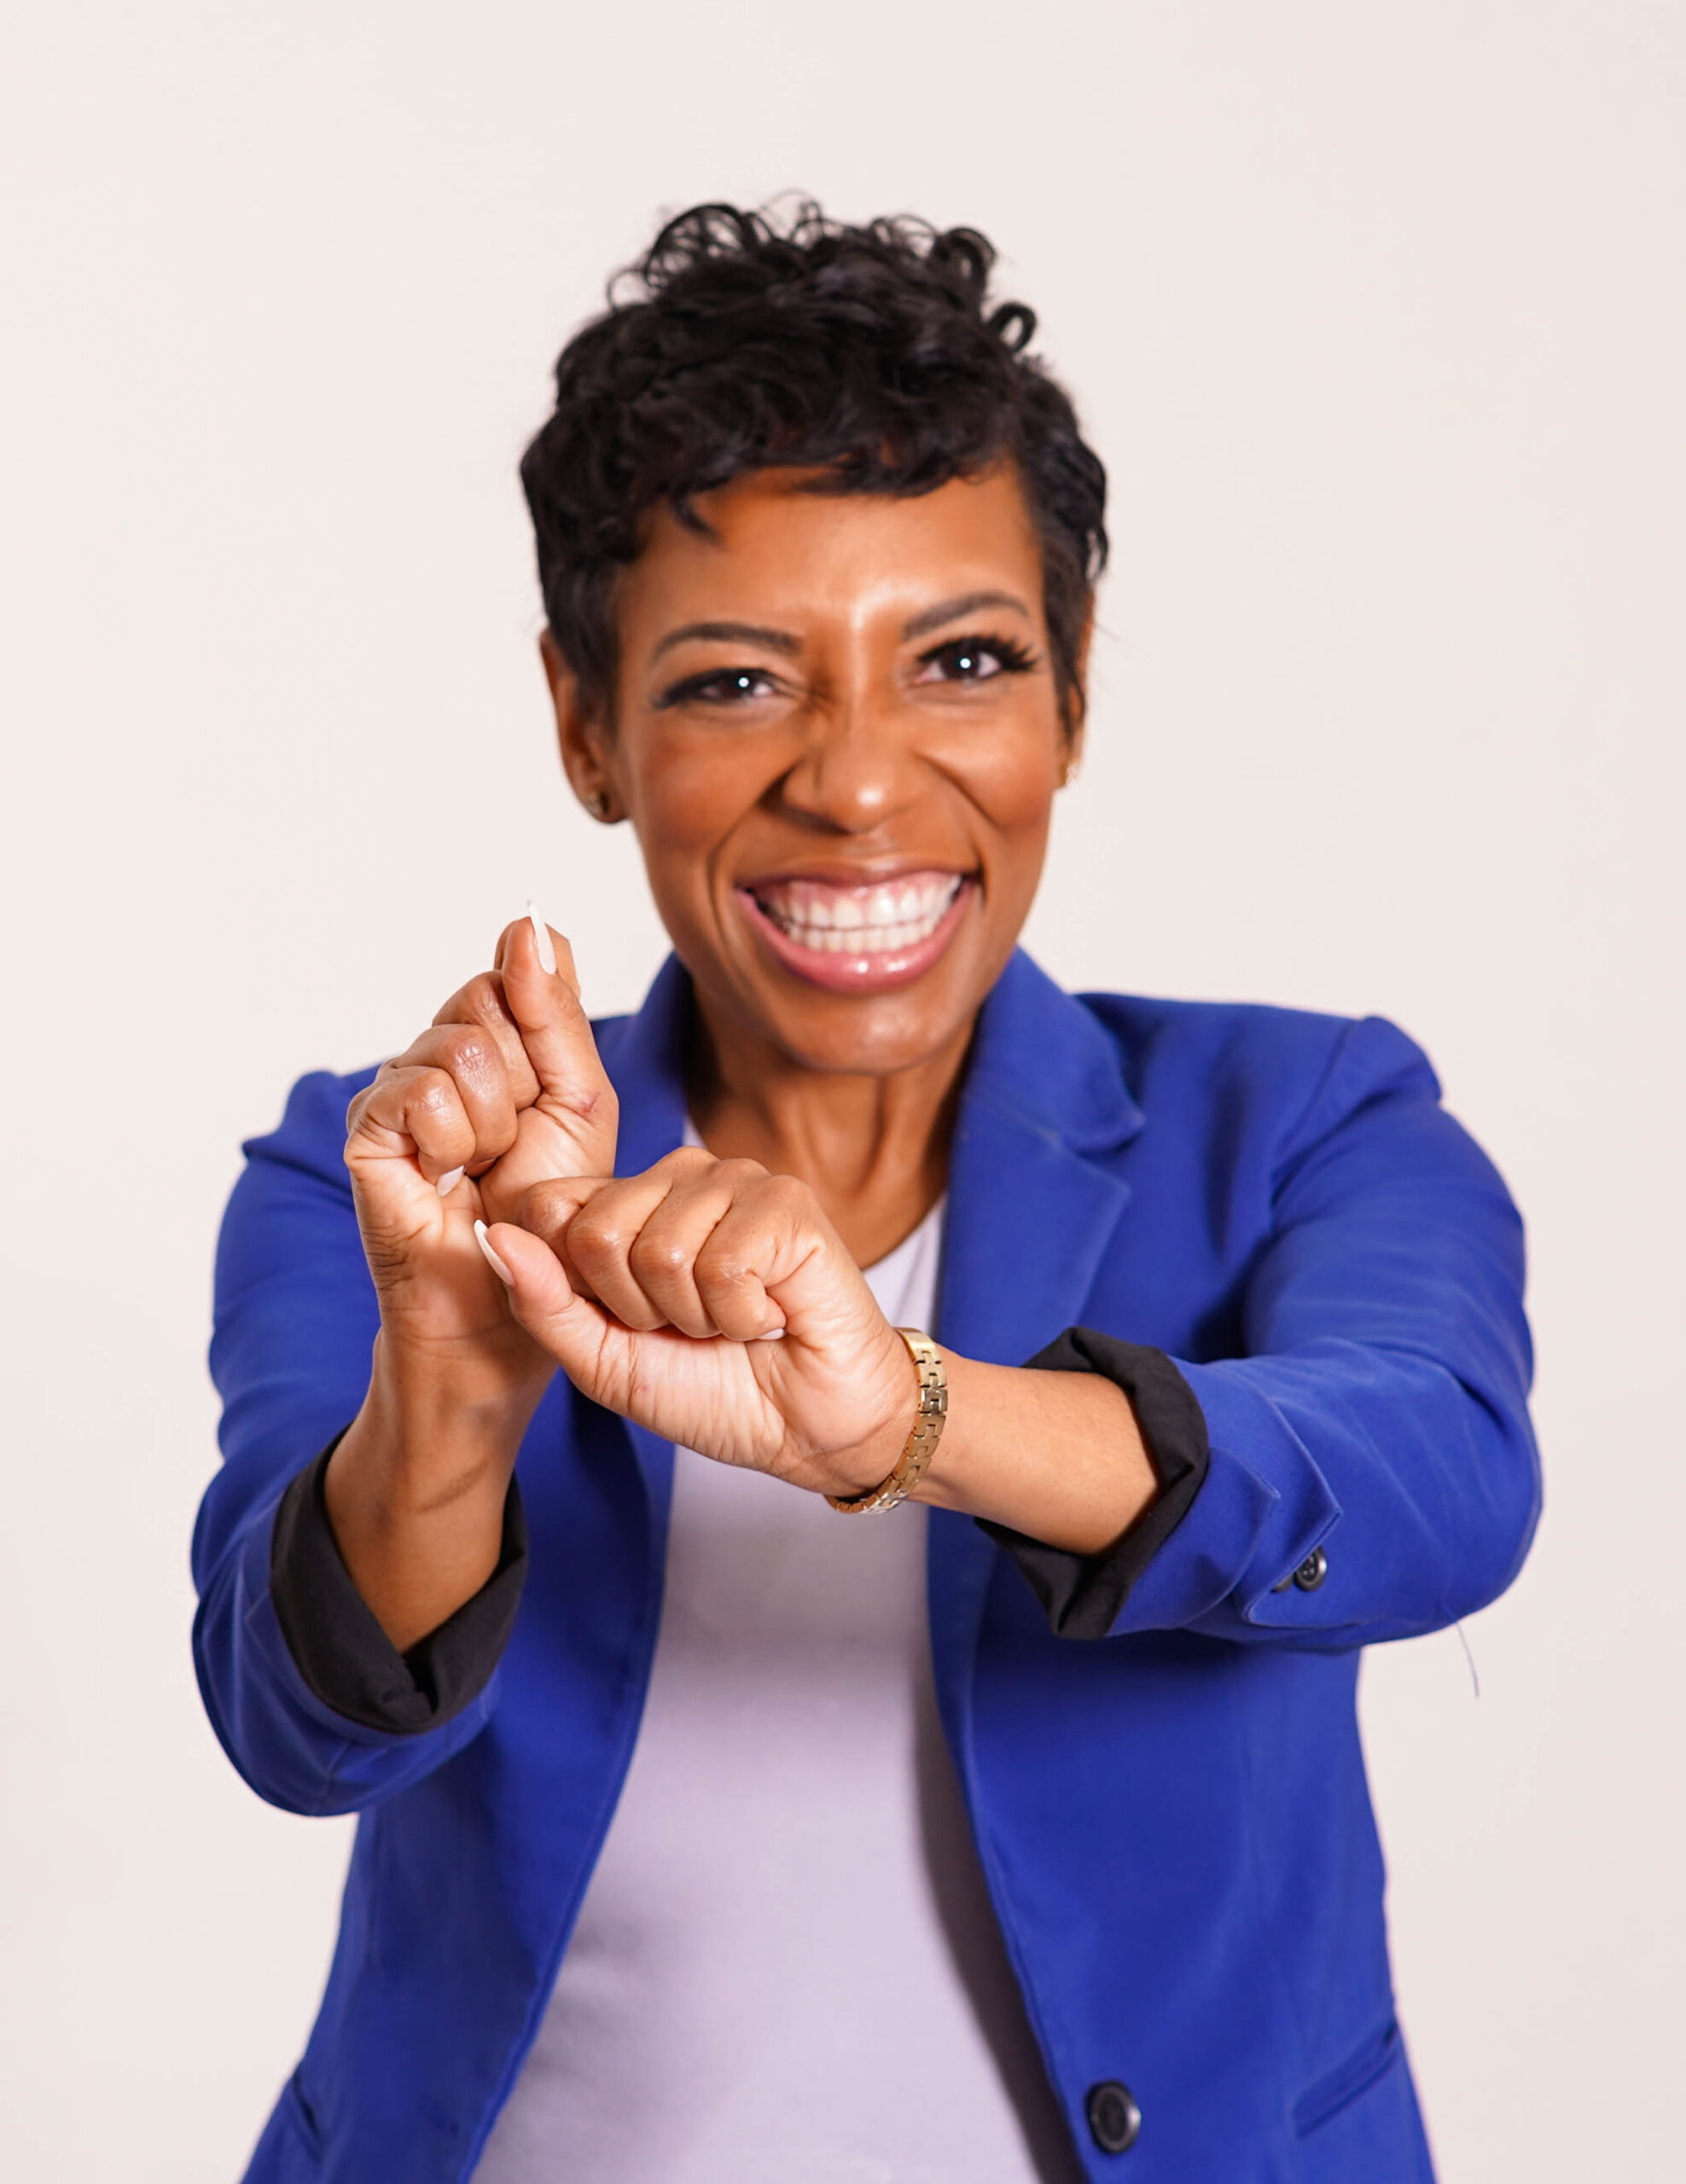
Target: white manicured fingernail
{"points": [[492, 1258], [541, 936], [448, 1182], [773, 1334]]}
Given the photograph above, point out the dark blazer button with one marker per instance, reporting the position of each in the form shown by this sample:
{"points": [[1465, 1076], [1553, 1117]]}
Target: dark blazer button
{"points": [[1312, 1571], [1114, 2119]]}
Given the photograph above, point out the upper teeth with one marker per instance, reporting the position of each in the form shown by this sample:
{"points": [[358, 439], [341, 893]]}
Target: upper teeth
{"points": [[898, 913]]}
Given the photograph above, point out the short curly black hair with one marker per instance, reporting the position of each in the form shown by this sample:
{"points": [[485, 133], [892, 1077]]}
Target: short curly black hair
{"points": [[741, 340]]}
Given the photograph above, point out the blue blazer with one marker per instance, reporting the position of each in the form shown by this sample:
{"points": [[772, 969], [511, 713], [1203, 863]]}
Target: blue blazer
{"points": [[1173, 1818]]}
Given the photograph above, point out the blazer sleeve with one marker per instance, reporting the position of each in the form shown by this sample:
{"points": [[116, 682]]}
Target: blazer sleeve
{"points": [[1371, 1472], [293, 1325]]}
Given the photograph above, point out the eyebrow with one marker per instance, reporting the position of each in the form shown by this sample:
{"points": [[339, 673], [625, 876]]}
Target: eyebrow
{"points": [[951, 610], [760, 633], [730, 633]]}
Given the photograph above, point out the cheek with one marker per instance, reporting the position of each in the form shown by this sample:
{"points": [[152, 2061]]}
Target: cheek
{"points": [[1012, 780], [679, 817], [685, 801], [662, 768]]}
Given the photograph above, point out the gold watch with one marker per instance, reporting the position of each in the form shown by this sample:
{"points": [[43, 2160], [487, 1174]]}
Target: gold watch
{"points": [[921, 1443]]}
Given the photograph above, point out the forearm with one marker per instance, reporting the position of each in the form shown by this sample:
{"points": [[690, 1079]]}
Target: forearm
{"points": [[415, 1490], [1057, 1456]]}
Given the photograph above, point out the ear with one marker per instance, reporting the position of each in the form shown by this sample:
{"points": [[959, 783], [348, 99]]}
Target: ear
{"points": [[587, 754], [1076, 720]]}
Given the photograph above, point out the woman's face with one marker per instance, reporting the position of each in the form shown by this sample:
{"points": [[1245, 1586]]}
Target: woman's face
{"points": [[839, 739]]}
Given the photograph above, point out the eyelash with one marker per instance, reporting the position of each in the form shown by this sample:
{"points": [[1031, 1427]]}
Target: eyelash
{"points": [[1011, 657], [695, 687]]}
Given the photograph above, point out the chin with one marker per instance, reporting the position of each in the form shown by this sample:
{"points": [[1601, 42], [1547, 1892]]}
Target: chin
{"points": [[870, 1035]]}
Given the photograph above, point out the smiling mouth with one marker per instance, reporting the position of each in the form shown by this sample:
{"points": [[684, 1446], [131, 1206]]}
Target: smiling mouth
{"points": [[883, 920], [859, 937]]}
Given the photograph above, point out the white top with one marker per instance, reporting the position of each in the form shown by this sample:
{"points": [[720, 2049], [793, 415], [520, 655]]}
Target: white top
{"points": [[786, 1967]]}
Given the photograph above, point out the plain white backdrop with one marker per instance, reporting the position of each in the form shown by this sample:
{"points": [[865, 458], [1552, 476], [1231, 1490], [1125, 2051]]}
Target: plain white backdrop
{"points": [[1376, 315]]}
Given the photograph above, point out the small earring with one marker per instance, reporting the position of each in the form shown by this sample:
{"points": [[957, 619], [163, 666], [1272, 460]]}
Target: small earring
{"points": [[1069, 772], [597, 804]]}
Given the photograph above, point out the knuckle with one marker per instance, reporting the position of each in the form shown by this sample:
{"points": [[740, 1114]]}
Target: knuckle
{"points": [[484, 994], [481, 998], [722, 1267], [385, 1086], [786, 1195], [543, 1206], [569, 1007], [597, 1234], [466, 1052], [660, 1255], [434, 1094]]}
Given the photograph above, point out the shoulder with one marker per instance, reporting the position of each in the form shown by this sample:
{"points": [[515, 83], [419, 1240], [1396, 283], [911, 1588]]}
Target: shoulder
{"points": [[291, 1206], [311, 1135], [1298, 1071]]}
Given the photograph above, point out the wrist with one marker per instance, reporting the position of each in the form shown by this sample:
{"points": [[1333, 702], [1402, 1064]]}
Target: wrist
{"points": [[458, 1386], [888, 1467], [857, 1469], [431, 1431], [1055, 1455]]}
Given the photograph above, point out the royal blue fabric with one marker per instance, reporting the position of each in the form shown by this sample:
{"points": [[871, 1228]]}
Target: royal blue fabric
{"points": [[1173, 1818]]}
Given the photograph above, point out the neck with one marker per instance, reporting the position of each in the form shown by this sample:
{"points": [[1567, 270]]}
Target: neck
{"points": [[873, 1148]]}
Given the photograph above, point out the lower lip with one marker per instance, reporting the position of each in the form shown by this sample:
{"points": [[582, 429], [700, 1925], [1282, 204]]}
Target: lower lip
{"points": [[841, 973]]}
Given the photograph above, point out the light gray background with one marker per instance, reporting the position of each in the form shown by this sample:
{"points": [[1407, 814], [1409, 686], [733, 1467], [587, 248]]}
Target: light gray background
{"points": [[1375, 313]]}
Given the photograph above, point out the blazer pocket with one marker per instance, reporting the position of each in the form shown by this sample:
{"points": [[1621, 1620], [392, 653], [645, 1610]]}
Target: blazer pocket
{"points": [[1366, 2067]]}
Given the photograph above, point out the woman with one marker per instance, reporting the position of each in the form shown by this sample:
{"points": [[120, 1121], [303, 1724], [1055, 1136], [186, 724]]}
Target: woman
{"points": [[862, 1790]]}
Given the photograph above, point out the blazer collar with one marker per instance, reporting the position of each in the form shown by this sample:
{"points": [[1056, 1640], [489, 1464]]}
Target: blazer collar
{"points": [[1041, 1059]]}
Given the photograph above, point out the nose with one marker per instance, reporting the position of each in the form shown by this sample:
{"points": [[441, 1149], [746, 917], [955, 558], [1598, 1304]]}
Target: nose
{"points": [[859, 767]]}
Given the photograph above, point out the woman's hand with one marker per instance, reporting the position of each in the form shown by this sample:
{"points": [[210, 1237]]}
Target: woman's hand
{"points": [[715, 1305], [505, 1088]]}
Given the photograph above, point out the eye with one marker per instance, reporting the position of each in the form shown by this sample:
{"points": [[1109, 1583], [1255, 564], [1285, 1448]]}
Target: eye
{"points": [[974, 659], [719, 686]]}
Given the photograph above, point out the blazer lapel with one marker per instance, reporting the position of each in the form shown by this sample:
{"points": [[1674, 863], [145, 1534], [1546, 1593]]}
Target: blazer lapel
{"points": [[1030, 1212]]}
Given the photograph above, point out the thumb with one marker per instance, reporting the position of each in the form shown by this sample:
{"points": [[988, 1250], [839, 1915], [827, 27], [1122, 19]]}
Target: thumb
{"points": [[542, 995], [577, 1331]]}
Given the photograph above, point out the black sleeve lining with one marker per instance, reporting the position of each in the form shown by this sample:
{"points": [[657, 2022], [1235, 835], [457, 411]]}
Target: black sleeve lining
{"points": [[341, 1650], [1083, 1594]]}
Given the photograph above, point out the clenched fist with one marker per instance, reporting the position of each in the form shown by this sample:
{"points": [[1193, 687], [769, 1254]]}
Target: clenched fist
{"points": [[503, 1089], [715, 1304]]}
